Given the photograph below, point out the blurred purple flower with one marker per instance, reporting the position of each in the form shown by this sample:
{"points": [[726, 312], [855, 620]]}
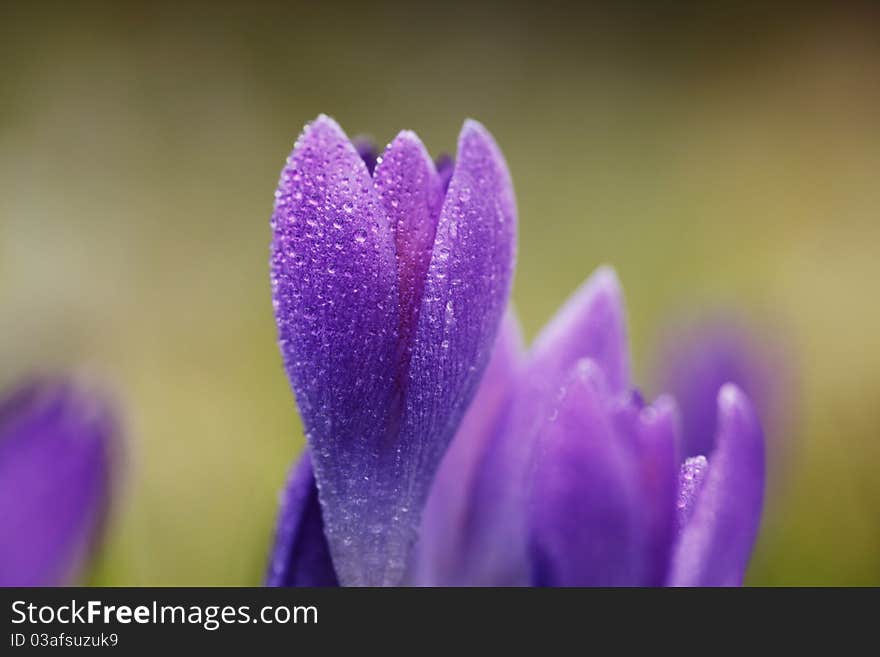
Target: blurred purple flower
{"points": [[388, 291], [699, 357], [559, 474], [54, 481]]}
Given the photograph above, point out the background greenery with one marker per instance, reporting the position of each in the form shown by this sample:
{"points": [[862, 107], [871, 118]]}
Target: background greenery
{"points": [[718, 159]]}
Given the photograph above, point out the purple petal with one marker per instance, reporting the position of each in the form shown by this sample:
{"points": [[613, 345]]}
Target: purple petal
{"points": [[590, 325], [466, 293], [585, 521], [705, 356], [301, 556], [657, 452], [715, 546], [411, 193], [336, 305], [442, 554], [467, 287], [54, 482]]}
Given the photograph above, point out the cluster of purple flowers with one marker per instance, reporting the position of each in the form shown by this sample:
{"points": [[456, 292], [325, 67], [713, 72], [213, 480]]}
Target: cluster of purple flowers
{"points": [[440, 450]]}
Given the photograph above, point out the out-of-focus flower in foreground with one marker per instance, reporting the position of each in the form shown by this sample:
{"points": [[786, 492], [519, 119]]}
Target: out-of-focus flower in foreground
{"points": [[559, 474], [55, 452]]}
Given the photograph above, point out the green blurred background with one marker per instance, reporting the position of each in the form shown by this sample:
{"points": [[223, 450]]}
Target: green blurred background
{"points": [[723, 158]]}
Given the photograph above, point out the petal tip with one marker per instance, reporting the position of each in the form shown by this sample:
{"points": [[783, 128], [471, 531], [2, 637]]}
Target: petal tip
{"points": [[663, 408], [737, 419], [323, 126], [473, 130], [730, 398], [408, 136], [605, 278], [604, 284], [407, 141], [472, 125], [733, 402], [325, 120]]}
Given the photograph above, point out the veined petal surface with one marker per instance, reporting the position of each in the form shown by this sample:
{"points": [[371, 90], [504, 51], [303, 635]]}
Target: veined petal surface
{"points": [[442, 556], [334, 290], [410, 191], [465, 295]]}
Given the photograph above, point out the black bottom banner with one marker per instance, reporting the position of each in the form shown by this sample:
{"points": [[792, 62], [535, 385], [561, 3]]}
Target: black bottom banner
{"points": [[136, 619]]}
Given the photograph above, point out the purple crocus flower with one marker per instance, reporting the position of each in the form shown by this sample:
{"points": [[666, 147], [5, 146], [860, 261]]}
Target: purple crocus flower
{"points": [[580, 482], [54, 481], [559, 474], [388, 290]]}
